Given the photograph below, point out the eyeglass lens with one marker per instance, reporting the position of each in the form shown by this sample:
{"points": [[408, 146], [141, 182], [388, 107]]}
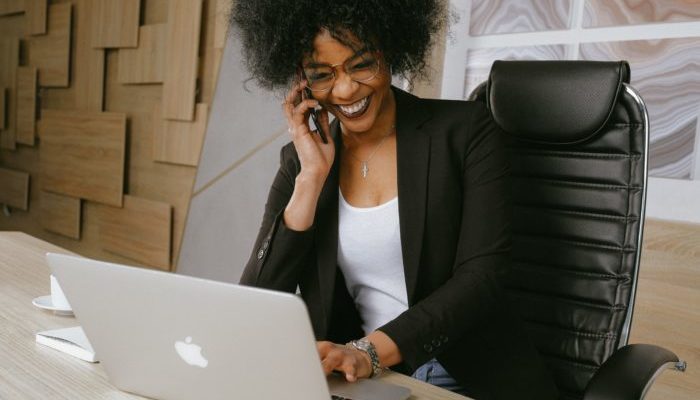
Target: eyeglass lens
{"points": [[322, 76]]}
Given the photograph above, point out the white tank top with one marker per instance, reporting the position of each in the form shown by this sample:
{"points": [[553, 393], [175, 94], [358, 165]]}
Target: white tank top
{"points": [[369, 254]]}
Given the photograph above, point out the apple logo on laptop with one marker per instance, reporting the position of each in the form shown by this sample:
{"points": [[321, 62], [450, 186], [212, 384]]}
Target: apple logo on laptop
{"points": [[191, 353]]}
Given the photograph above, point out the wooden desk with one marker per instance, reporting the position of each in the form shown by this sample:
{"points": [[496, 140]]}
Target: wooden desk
{"points": [[32, 371]]}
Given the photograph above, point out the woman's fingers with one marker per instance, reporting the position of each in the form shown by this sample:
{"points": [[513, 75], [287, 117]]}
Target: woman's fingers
{"points": [[297, 117], [296, 109], [323, 120], [343, 359], [332, 361], [349, 368], [292, 98], [316, 158], [294, 94], [323, 348]]}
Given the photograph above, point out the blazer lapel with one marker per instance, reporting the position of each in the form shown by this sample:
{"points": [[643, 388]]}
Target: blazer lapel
{"points": [[326, 236], [413, 159]]}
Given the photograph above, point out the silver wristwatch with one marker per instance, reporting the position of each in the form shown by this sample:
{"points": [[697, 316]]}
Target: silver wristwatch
{"points": [[367, 346]]}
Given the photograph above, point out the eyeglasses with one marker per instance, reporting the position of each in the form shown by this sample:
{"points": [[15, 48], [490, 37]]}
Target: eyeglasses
{"points": [[362, 68]]}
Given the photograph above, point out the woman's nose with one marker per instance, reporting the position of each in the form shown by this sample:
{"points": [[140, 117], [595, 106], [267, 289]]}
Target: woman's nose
{"points": [[344, 87]]}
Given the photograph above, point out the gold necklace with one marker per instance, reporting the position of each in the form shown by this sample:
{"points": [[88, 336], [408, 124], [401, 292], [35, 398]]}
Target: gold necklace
{"points": [[364, 169]]}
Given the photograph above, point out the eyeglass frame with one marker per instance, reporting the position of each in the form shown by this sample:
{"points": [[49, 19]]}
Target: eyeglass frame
{"points": [[334, 67]]}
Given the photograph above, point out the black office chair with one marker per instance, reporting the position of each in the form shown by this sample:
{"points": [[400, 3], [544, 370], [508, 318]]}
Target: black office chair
{"points": [[578, 138]]}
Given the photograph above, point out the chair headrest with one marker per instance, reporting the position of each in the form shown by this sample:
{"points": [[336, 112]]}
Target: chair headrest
{"points": [[554, 101]]}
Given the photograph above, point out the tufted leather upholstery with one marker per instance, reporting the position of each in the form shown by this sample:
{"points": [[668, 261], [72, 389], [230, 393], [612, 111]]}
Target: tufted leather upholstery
{"points": [[577, 137]]}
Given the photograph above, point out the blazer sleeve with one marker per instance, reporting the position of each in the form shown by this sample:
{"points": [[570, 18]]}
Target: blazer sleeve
{"points": [[472, 294], [279, 253]]}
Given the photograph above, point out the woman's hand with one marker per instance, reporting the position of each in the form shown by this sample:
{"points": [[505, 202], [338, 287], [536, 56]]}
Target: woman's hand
{"points": [[355, 364], [316, 157]]}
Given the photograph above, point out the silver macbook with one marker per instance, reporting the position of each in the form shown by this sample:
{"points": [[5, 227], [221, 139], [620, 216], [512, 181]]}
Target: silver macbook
{"points": [[170, 336]]}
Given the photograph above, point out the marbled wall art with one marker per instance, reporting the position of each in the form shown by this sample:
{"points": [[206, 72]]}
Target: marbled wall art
{"points": [[667, 75], [599, 13], [514, 16], [479, 60]]}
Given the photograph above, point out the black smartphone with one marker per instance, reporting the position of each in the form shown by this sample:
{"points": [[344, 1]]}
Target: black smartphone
{"points": [[306, 93], [314, 117]]}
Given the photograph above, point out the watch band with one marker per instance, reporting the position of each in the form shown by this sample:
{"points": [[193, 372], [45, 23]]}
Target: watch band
{"points": [[367, 347]]}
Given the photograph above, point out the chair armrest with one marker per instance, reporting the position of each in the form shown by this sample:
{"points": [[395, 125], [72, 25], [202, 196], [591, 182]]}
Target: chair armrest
{"points": [[630, 371]]}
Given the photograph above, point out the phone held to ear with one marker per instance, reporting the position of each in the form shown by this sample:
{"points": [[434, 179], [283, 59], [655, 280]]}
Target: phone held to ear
{"points": [[314, 116]]}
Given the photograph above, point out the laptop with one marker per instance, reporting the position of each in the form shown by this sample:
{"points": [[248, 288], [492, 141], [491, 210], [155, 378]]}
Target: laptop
{"points": [[171, 337]]}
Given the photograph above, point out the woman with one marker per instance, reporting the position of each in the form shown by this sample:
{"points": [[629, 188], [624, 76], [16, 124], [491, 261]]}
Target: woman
{"points": [[395, 231]]}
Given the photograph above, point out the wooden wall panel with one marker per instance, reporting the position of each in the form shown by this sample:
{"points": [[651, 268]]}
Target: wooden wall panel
{"points": [[9, 61], [26, 105], [115, 23], [60, 214], [212, 61], [89, 62], [141, 230], [221, 23], [35, 17], [94, 86], [8, 7], [82, 154], [50, 53], [3, 103], [146, 63], [14, 188], [179, 142], [181, 59]]}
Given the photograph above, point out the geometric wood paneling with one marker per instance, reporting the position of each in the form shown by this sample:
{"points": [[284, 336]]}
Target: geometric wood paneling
{"points": [[89, 63], [221, 23], [115, 23], [14, 188], [181, 59], [220, 32], [3, 102], [140, 230], [9, 61], [60, 214], [179, 142], [146, 63], [26, 105], [94, 86], [82, 154], [50, 53], [35, 17], [8, 7]]}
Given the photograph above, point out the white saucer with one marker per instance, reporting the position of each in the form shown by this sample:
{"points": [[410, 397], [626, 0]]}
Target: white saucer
{"points": [[45, 303]]}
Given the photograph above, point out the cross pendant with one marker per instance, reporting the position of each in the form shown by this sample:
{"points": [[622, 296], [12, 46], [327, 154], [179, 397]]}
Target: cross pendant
{"points": [[365, 169]]}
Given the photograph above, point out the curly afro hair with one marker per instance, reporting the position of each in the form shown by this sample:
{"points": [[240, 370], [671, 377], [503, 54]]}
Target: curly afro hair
{"points": [[276, 34]]}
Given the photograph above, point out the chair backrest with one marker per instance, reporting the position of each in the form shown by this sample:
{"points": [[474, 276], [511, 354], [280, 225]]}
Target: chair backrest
{"points": [[577, 135]]}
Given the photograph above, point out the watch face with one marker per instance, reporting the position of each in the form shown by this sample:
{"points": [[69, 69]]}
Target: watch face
{"points": [[367, 346], [364, 344]]}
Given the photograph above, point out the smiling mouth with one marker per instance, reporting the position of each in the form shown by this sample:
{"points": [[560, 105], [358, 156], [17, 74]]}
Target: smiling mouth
{"points": [[355, 109]]}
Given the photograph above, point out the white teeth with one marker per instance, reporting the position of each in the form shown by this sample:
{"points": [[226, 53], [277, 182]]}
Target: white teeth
{"points": [[355, 107]]}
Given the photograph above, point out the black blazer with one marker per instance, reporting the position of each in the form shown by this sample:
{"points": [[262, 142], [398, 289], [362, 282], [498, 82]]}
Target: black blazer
{"points": [[454, 224]]}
